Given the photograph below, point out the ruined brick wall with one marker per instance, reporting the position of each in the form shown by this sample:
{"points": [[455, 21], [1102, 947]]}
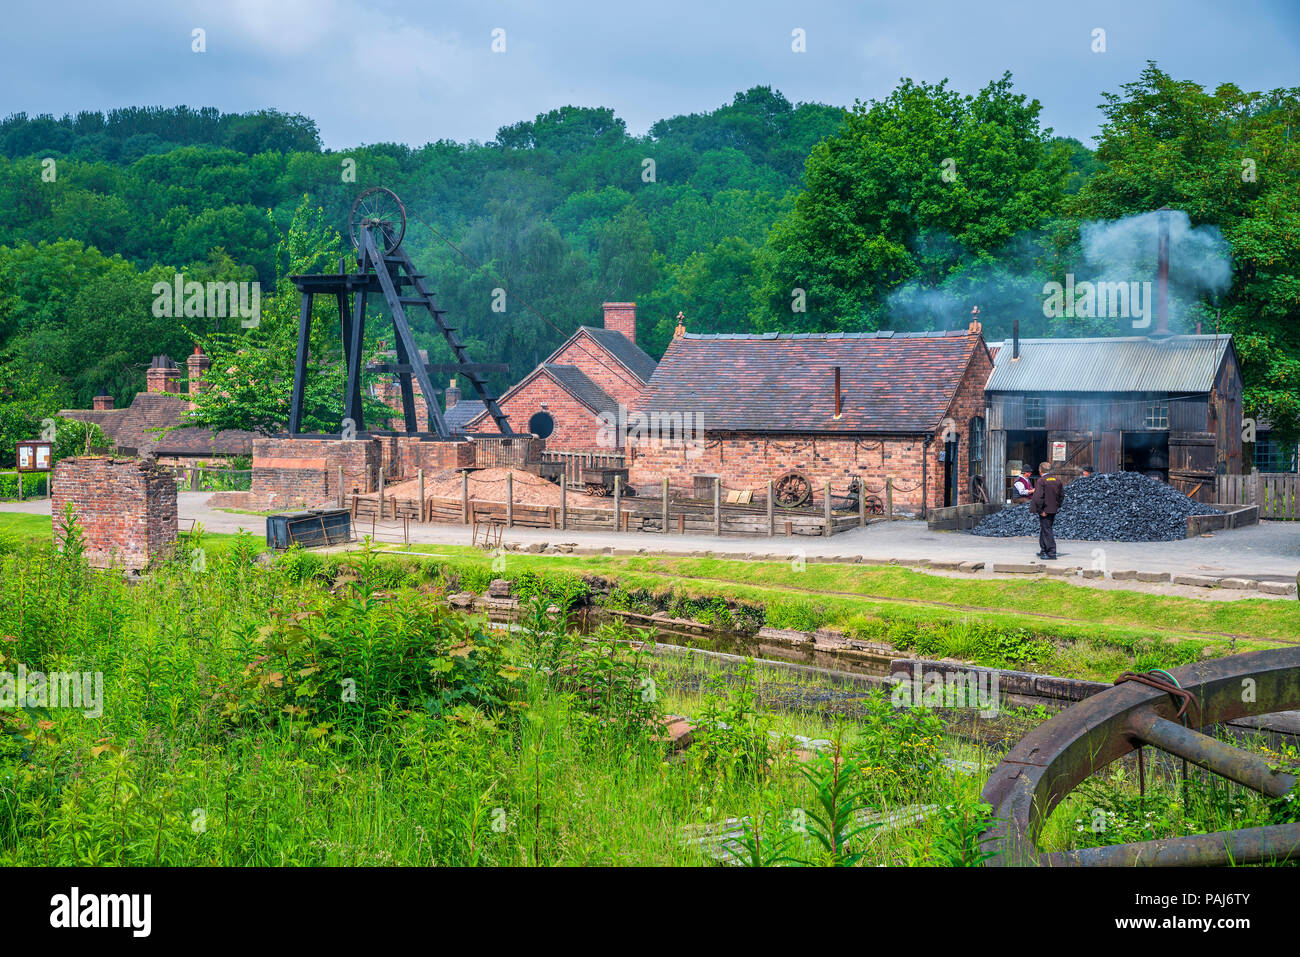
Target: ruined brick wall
{"points": [[388, 390], [126, 509], [409, 454], [749, 460], [577, 428], [303, 473]]}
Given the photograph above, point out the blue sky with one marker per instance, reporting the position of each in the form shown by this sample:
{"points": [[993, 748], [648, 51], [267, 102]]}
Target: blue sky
{"points": [[375, 70]]}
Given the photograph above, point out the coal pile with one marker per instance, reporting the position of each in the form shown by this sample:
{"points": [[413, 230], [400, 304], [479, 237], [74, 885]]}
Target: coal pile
{"points": [[1111, 507]]}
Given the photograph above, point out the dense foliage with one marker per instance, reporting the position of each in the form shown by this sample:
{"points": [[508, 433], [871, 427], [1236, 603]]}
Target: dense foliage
{"points": [[762, 214]]}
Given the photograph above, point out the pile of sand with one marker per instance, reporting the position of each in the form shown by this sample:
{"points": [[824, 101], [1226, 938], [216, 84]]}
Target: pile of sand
{"points": [[489, 485]]}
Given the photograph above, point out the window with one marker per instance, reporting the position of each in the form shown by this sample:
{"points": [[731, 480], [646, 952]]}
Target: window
{"points": [[541, 424], [1272, 456], [1157, 415], [1035, 416]]}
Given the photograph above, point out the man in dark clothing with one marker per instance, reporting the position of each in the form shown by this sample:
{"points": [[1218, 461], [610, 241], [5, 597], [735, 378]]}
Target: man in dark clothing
{"points": [[1049, 496]]}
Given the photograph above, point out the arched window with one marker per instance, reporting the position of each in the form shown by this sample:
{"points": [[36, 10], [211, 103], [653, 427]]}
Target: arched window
{"points": [[541, 424]]}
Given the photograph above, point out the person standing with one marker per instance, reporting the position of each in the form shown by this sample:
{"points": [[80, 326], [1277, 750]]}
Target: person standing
{"points": [[1049, 496]]}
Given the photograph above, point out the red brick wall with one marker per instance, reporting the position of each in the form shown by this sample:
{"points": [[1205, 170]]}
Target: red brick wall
{"points": [[126, 509], [577, 428], [749, 460], [304, 472], [388, 390], [603, 369], [966, 404]]}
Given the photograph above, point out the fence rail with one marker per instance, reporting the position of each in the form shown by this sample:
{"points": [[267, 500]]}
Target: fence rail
{"points": [[1276, 493]]}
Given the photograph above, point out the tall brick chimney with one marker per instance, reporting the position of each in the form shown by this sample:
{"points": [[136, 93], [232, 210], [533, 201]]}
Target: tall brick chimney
{"points": [[452, 395], [621, 317], [103, 402], [163, 375], [197, 365]]}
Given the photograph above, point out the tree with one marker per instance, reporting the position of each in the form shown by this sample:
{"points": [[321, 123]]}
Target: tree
{"points": [[1231, 159], [911, 187]]}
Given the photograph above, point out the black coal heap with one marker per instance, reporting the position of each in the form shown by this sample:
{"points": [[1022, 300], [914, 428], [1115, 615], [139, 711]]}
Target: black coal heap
{"points": [[1110, 507]]}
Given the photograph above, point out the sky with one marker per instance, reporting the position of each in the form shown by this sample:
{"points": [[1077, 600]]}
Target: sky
{"points": [[370, 71]]}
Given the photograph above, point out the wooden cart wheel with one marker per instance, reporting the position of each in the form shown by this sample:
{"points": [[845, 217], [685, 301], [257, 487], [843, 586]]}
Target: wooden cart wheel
{"points": [[792, 489]]}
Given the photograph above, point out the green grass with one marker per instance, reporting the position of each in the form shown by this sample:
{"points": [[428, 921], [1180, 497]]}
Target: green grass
{"points": [[328, 709]]}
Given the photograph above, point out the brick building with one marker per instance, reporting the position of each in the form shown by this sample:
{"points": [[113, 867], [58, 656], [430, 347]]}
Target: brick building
{"points": [[907, 406], [151, 424], [594, 372]]}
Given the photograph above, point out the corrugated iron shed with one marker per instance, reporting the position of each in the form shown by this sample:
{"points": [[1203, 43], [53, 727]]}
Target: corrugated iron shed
{"points": [[1178, 364]]}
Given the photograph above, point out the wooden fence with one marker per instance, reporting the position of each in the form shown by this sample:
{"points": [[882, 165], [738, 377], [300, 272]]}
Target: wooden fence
{"points": [[662, 514], [1276, 493]]}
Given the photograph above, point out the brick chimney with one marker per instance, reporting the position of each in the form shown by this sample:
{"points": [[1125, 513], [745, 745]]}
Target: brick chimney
{"points": [[976, 327], [621, 317], [197, 365], [453, 395], [163, 375], [103, 402], [681, 326]]}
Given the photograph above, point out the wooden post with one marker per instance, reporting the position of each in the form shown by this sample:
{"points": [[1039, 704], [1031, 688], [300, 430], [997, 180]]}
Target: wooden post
{"points": [[717, 506], [827, 493], [664, 509], [464, 497], [341, 486], [862, 502], [1258, 490], [510, 500], [419, 475], [771, 512], [889, 499], [618, 501], [681, 523], [379, 511], [564, 500]]}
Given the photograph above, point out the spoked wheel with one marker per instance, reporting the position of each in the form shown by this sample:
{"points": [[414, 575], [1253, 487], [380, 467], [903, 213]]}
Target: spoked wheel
{"points": [[379, 210], [1056, 756], [792, 489]]}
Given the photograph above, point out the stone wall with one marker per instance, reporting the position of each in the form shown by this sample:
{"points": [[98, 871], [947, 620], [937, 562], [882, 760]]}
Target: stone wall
{"points": [[126, 508]]}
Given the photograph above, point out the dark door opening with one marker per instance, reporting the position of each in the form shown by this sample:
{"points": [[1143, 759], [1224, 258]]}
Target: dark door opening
{"points": [[1146, 452], [1025, 449], [951, 473]]}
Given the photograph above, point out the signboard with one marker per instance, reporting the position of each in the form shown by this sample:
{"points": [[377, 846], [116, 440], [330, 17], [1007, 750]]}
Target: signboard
{"points": [[33, 456], [1058, 451]]}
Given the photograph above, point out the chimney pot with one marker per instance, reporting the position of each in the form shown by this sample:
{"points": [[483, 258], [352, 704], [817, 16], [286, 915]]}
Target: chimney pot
{"points": [[163, 376], [1015, 340], [621, 317]]}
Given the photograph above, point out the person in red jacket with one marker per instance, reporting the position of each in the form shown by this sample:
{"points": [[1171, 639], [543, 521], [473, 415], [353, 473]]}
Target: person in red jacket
{"points": [[1049, 496]]}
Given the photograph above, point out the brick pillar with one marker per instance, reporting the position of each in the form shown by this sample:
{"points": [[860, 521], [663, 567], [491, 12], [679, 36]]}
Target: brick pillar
{"points": [[621, 317], [103, 402], [126, 508]]}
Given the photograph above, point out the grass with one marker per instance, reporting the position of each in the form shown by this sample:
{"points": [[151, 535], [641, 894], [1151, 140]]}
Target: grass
{"points": [[330, 710]]}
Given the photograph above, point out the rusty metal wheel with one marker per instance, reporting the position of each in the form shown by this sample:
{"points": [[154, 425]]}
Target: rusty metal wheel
{"points": [[792, 489], [873, 505], [595, 488], [1049, 762]]}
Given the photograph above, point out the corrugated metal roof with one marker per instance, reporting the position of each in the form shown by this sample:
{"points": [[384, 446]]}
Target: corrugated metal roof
{"points": [[1128, 364]]}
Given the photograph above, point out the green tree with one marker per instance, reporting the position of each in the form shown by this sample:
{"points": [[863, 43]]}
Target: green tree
{"points": [[1231, 159], [911, 187]]}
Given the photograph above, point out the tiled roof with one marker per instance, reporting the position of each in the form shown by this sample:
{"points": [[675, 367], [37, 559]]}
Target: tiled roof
{"points": [[900, 383], [628, 354], [575, 382], [1122, 364], [460, 414], [135, 428]]}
